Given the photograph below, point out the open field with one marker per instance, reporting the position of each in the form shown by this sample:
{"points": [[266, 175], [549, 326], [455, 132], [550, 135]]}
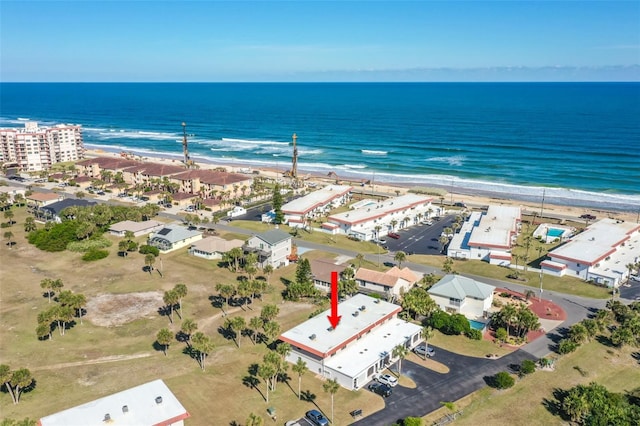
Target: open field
{"points": [[524, 403], [91, 361], [464, 346]]}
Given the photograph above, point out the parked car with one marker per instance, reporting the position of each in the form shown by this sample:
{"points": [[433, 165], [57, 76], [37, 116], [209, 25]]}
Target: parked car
{"points": [[424, 350], [353, 237], [427, 222], [381, 389], [388, 379], [393, 235], [380, 241], [588, 217], [634, 277], [460, 204], [317, 418]]}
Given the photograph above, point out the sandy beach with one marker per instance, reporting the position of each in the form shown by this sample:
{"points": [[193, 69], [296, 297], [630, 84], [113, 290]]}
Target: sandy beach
{"points": [[472, 200]]}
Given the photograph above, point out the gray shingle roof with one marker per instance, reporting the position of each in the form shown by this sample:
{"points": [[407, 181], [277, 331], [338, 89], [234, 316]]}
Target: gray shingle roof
{"points": [[174, 233], [273, 236], [458, 287]]}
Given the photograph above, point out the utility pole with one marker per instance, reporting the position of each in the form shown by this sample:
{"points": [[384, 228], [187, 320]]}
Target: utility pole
{"points": [[540, 283], [294, 162], [185, 145], [542, 205]]}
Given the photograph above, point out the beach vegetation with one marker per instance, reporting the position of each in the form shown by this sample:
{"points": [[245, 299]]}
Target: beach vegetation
{"points": [[95, 254]]}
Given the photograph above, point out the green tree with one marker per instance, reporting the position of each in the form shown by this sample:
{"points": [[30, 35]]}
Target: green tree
{"points": [[181, 291], [418, 302], [188, 327], [170, 299], [225, 291], [149, 261], [164, 338], [30, 224], [267, 270], [8, 214], [8, 235], [331, 386], [300, 367], [266, 372], [269, 312], [276, 202], [578, 333], [527, 367], [400, 257], [447, 266], [427, 333], [5, 380], [254, 420], [20, 379], [202, 345], [236, 325], [271, 329], [255, 324], [503, 380], [400, 352], [359, 258], [502, 335], [235, 255]]}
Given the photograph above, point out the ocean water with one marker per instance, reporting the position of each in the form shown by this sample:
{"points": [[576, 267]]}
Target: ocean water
{"points": [[577, 142]]}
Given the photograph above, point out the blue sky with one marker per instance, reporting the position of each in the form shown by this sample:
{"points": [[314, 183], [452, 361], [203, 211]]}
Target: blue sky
{"points": [[319, 41]]}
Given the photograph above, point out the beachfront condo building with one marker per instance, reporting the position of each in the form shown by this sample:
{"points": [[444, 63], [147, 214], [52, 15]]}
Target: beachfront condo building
{"points": [[34, 148], [599, 254], [360, 346], [487, 236], [377, 219], [318, 203]]}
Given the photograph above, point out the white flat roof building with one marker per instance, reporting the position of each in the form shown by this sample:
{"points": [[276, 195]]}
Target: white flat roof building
{"points": [[496, 228], [361, 222], [600, 253], [361, 344], [148, 404], [315, 203]]}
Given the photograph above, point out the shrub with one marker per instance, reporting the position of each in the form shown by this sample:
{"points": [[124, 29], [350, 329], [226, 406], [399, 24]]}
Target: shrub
{"points": [[567, 346], [133, 246], [501, 335], [412, 421], [95, 254], [458, 324], [146, 249], [87, 245], [503, 380], [527, 367], [474, 334], [439, 320], [56, 238]]}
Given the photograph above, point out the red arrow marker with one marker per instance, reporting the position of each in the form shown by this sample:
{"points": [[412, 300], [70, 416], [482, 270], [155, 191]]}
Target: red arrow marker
{"points": [[334, 318]]}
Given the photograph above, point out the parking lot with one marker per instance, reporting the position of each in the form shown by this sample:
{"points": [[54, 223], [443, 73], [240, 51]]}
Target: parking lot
{"points": [[420, 239]]}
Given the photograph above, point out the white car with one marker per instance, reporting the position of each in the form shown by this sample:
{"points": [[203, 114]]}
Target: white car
{"points": [[427, 222], [388, 379], [424, 350]]}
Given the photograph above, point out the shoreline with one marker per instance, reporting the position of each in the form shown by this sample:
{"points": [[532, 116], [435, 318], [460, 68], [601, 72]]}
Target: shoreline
{"points": [[459, 194]]}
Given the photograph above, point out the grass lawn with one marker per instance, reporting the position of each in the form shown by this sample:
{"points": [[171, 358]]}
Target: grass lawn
{"points": [[340, 241], [524, 403], [108, 359], [464, 346], [567, 285]]}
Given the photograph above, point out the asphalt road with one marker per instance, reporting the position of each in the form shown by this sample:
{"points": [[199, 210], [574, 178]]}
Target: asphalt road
{"points": [[466, 375]]}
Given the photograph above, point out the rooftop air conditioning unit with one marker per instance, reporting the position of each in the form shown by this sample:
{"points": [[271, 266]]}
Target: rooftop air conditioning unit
{"points": [[125, 409], [362, 308], [158, 400], [312, 337], [356, 313], [107, 418]]}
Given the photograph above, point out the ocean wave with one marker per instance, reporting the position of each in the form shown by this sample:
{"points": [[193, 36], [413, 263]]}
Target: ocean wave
{"points": [[352, 166], [373, 152], [254, 142], [452, 161], [129, 134], [23, 119]]}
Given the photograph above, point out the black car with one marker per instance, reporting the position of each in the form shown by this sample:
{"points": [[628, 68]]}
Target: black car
{"points": [[588, 217], [381, 389]]}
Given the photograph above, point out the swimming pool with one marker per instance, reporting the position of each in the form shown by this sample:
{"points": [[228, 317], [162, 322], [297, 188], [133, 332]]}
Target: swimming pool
{"points": [[477, 325], [553, 232]]}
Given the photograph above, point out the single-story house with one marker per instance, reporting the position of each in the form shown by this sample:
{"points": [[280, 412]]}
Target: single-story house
{"points": [[213, 247], [152, 403], [173, 237], [51, 212], [321, 270], [391, 282], [272, 247], [12, 191], [138, 228], [461, 295], [41, 199]]}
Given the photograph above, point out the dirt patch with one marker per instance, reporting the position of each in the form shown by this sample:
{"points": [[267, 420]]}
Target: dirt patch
{"points": [[113, 310]]}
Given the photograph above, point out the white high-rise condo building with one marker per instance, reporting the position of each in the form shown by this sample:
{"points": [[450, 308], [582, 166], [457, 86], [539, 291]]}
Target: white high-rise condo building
{"points": [[34, 148]]}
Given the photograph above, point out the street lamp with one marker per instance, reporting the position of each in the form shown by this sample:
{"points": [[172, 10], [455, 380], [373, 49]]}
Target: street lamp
{"points": [[540, 283]]}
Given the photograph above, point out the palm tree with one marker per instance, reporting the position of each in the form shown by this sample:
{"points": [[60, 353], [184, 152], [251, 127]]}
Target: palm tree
{"points": [[332, 387], [255, 324], [359, 258], [164, 338], [427, 333], [181, 292], [254, 419], [187, 328], [400, 352], [393, 224], [300, 367], [30, 224], [202, 344], [20, 379], [9, 215], [267, 270], [444, 240], [149, 261], [400, 257], [226, 291], [170, 299], [9, 235], [266, 371]]}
